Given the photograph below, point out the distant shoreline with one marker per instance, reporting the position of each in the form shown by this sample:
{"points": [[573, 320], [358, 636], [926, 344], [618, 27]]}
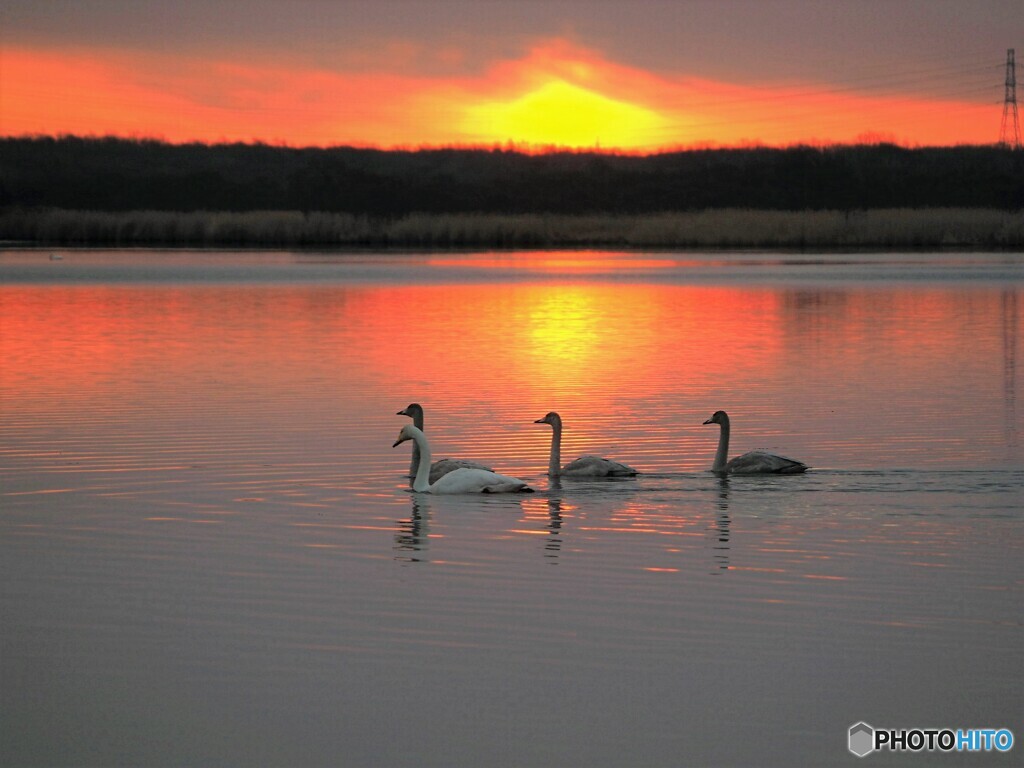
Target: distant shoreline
{"points": [[874, 229]]}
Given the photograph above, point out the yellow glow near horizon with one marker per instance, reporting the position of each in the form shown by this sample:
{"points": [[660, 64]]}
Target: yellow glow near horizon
{"points": [[562, 114]]}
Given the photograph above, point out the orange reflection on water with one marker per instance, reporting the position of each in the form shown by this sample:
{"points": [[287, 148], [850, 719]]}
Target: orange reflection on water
{"points": [[106, 338], [552, 343], [543, 334], [837, 374]]}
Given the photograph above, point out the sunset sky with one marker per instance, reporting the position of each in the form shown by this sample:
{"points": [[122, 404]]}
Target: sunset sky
{"points": [[639, 75]]}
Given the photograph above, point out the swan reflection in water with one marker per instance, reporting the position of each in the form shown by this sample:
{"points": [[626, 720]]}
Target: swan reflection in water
{"points": [[593, 506], [553, 540], [552, 510], [413, 534], [720, 528], [450, 519]]}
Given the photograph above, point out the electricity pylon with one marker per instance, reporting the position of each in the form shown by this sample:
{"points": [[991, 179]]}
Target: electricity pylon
{"points": [[1009, 129]]}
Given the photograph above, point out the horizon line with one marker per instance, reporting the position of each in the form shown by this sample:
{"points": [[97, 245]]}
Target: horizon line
{"points": [[514, 147]]}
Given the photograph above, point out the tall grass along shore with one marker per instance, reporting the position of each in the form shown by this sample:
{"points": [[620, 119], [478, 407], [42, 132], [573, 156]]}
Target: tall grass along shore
{"points": [[718, 228]]}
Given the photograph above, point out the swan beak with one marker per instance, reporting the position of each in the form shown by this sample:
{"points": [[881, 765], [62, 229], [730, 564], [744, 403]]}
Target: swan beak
{"points": [[402, 412], [710, 421], [399, 441], [540, 421]]}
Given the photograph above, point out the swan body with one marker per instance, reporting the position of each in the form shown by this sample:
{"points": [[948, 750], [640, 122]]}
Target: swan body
{"points": [[440, 467], [752, 462], [459, 480], [584, 466]]}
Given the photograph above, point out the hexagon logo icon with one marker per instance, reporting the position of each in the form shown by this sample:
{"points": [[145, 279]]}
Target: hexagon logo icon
{"points": [[861, 739]]}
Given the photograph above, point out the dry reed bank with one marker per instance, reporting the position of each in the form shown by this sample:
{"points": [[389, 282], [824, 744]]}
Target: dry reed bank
{"points": [[719, 228], [120, 192]]}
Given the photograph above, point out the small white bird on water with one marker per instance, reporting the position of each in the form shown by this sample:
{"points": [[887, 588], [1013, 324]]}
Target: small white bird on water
{"points": [[751, 463]]}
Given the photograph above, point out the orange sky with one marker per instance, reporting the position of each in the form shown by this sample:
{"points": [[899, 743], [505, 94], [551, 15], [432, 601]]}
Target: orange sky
{"points": [[556, 93]]}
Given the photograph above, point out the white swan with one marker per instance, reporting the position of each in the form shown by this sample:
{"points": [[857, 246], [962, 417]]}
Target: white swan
{"points": [[440, 467], [461, 480], [584, 466], [751, 463]]}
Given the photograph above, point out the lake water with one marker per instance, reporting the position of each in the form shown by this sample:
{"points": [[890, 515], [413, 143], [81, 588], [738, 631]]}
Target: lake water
{"points": [[209, 554]]}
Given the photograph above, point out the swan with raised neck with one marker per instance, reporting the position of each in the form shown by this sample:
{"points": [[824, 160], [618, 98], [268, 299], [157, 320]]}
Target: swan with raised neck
{"points": [[752, 462], [440, 467], [584, 466], [415, 412], [461, 480]]}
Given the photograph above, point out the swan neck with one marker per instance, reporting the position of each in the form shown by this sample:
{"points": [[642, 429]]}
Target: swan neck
{"points": [[421, 481], [417, 421], [722, 455], [555, 460]]}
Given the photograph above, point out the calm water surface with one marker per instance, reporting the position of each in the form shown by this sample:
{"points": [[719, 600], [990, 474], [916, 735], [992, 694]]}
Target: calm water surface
{"points": [[209, 555]]}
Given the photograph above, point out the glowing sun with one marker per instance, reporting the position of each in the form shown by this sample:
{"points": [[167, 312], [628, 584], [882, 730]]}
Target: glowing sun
{"points": [[562, 114]]}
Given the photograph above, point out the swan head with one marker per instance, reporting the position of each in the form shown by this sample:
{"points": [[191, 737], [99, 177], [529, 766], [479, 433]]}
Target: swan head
{"points": [[407, 433], [552, 418], [412, 409], [718, 417]]}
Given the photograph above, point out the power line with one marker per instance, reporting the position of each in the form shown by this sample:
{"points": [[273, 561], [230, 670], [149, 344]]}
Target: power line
{"points": [[947, 83], [977, 75]]}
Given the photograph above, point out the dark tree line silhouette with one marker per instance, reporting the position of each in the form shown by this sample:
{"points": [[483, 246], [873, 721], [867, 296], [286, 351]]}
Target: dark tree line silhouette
{"points": [[110, 174]]}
